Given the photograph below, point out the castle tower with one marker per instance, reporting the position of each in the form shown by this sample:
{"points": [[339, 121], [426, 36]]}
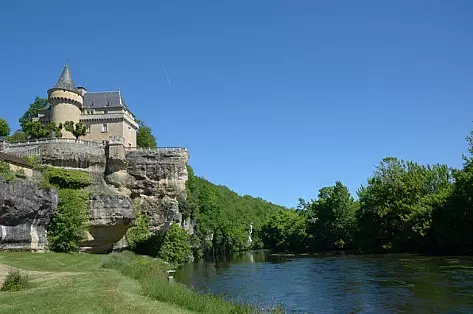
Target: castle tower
{"points": [[66, 101]]}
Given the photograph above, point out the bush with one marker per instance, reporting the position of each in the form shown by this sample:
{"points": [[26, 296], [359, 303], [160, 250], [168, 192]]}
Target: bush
{"points": [[176, 247], [67, 226], [5, 172], [138, 234], [67, 179], [15, 282]]}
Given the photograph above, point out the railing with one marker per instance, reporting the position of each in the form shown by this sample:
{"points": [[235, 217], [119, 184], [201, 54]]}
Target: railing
{"points": [[52, 140], [24, 151], [159, 149]]}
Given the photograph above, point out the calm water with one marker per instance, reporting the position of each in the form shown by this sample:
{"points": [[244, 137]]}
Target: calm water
{"points": [[341, 284]]}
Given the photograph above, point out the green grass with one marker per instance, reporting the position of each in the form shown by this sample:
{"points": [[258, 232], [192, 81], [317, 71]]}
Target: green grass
{"points": [[76, 283], [152, 275], [15, 281]]}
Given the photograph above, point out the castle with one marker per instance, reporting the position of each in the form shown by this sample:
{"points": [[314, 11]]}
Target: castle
{"points": [[105, 114]]}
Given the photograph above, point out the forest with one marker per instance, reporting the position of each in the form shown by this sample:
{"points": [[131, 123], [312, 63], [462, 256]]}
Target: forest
{"points": [[403, 207]]}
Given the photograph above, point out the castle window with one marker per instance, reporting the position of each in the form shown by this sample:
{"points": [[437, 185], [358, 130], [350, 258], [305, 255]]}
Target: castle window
{"points": [[105, 127], [105, 112], [88, 128]]}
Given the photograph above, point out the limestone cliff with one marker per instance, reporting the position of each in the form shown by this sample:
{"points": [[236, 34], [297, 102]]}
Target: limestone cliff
{"points": [[25, 212], [110, 218], [156, 181]]}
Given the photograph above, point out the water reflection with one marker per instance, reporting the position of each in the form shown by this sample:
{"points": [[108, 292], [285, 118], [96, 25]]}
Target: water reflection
{"points": [[340, 284]]}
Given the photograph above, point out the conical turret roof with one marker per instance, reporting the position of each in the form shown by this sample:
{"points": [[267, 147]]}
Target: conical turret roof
{"points": [[65, 81]]}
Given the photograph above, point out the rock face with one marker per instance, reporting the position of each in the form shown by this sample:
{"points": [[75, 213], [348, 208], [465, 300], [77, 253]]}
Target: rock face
{"points": [[74, 155], [156, 180], [110, 218], [25, 212]]}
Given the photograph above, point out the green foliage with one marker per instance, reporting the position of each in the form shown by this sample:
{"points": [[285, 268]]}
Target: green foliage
{"points": [[36, 130], [9, 175], [396, 207], [77, 129], [18, 136], [224, 218], [15, 281], [68, 224], [139, 234], [32, 112], [176, 247], [68, 179], [331, 218], [4, 128], [5, 172], [144, 136], [285, 231], [152, 276], [56, 129]]}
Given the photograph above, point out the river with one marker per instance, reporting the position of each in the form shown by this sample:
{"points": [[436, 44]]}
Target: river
{"points": [[392, 283]]}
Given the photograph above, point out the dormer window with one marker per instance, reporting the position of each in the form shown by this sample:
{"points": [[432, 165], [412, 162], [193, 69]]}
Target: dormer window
{"points": [[108, 103]]}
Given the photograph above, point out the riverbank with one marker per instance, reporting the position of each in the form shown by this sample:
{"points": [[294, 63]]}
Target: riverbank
{"points": [[117, 283]]}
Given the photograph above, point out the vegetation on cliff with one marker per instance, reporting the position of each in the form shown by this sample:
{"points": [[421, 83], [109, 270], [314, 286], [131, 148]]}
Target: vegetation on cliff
{"points": [[404, 207], [144, 136], [224, 218], [67, 227]]}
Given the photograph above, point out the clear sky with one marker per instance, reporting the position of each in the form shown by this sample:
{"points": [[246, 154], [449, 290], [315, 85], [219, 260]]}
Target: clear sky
{"points": [[272, 98]]}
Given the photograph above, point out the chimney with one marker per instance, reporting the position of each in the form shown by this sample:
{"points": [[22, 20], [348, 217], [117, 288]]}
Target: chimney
{"points": [[82, 90]]}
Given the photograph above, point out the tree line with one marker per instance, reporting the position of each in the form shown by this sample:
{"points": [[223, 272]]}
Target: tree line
{"points": [[404, 207]]}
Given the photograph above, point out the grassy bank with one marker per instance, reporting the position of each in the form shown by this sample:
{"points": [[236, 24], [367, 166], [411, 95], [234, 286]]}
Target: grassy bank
{"points": [[152, 276], [75, 283], [115, 283]]}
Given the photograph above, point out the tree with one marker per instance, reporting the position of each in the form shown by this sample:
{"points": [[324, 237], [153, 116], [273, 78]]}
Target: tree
{"points": [[176, 247], [77, 129], [32, 112], [285, 231], [396, 206], [18, 136], [453, 222], [144, 136], [35, 130], [4, 128], [331, 218]]}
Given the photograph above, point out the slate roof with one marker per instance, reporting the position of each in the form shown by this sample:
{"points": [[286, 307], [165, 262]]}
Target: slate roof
{"points": [[103, 99], [65, 80], [15, 160]]}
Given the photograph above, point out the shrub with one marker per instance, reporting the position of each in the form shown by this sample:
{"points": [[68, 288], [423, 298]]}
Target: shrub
{"points": [[176, 247], [138, 234], [5, 172], [67, 179], [67, 226], [15, 281]]}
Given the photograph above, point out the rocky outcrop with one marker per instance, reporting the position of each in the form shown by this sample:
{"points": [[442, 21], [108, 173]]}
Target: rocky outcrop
{"points": [[156, 180], [74, 155], [110, 218], [25, 212]]}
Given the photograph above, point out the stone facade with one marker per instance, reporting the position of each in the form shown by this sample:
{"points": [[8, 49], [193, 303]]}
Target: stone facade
{"points": [[104, 113]]}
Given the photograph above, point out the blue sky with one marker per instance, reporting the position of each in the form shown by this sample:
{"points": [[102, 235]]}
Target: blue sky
{"points": [[272, 98]]}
